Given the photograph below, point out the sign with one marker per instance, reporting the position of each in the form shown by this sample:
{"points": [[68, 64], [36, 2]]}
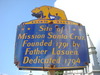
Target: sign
{"points": [[51, 44]]}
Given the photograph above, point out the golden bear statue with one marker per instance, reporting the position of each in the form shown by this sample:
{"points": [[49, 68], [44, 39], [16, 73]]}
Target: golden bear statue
{"points": [[48, 12]]}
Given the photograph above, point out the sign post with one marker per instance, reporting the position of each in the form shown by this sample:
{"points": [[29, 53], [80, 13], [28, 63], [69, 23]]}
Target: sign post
{"points": [[51, 72], [51, 42]]}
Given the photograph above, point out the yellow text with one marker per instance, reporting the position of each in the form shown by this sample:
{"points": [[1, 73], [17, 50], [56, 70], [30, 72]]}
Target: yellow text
{"points": [[45, 28], [42, 43], [64, 52], [39, 60], [35, 51]]}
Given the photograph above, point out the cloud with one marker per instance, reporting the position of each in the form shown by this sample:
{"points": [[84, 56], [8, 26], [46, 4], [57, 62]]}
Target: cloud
{"points": [[85, 12]]}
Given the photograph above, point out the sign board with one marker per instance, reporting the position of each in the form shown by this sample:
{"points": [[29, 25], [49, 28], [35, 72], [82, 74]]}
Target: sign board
{"points": [[51, 42], [51, 45]]}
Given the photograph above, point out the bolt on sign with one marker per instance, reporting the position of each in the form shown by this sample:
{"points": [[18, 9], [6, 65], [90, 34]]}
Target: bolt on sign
{"points": [[50, 42]]}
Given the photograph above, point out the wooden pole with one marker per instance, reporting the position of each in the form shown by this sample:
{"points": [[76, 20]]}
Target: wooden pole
{"points": [[51, 72]]}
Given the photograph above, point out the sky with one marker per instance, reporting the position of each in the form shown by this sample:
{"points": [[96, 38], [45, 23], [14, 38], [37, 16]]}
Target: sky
{"points": [[14, 12]]}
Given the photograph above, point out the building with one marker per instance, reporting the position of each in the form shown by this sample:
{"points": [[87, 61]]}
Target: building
{"points": [[93, 68]]}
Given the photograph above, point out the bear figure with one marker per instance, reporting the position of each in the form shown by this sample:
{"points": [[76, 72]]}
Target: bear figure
{"points": [[48, 12]]}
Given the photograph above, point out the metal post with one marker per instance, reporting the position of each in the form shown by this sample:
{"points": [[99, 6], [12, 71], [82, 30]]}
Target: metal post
{"points": [[86, 69], [83, 72], [30, 72]]}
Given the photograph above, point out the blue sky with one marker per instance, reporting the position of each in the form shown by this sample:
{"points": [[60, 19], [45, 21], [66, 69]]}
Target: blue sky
{"points": [[13, 13]]}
